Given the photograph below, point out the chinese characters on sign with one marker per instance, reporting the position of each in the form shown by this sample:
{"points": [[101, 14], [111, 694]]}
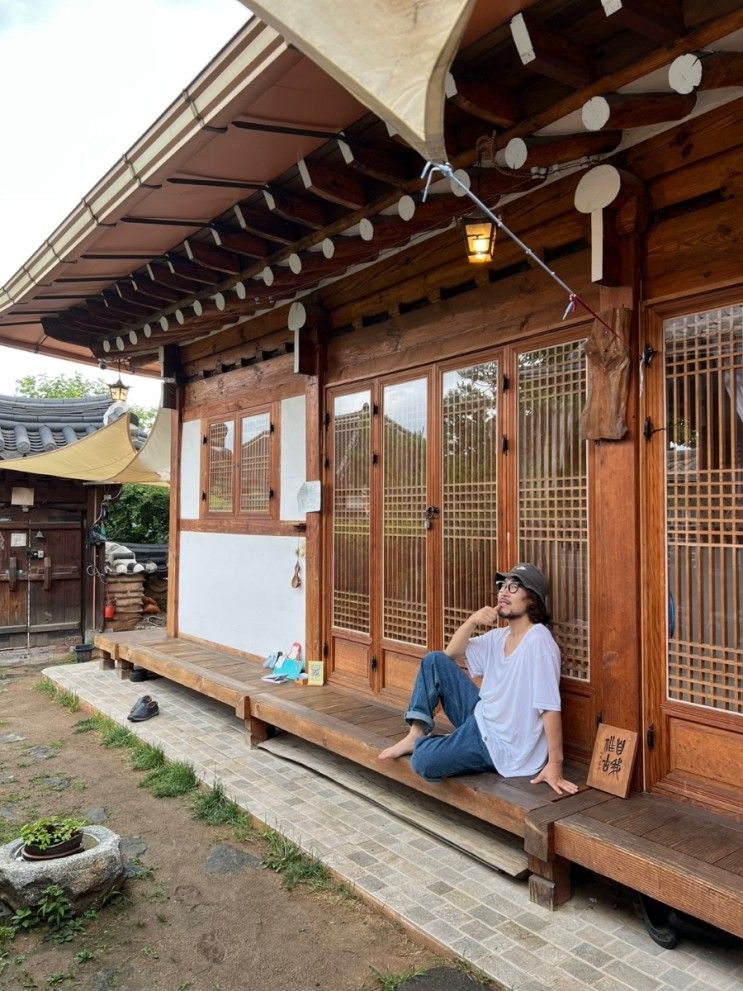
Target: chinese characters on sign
{"points": [[613, 759]]}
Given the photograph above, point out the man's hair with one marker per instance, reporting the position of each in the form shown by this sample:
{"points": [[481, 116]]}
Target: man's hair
{"points": [[536, 609]]}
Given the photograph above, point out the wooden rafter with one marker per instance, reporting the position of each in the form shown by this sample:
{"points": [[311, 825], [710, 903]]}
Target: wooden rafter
{"points": [[197, 274], [551, 55], [242, 242], [489, 102], [264, 225], [659, 20], [619, 111], [297, 209], [539, 152], [336, 185], [212, 257], [392, 167]]}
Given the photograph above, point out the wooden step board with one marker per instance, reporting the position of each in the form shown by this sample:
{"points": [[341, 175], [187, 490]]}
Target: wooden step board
{"points": [[688, 858], [490, 846], [358, 728]]}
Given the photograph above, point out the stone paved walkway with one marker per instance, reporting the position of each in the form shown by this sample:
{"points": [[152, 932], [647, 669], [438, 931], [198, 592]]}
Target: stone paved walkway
{"points": [[594, 941]]}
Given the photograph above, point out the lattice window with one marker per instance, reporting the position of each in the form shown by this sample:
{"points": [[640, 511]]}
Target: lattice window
{"points": [[351, 509], [221, 453], [255, 463], [404, 507], [553, 491], [470, 505], [704, 507]]}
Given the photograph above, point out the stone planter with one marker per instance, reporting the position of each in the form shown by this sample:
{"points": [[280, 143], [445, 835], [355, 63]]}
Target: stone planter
{"points": [[30, 851], [85, 877]]}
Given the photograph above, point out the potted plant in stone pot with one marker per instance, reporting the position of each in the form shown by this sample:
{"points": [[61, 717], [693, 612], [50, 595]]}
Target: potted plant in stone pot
{"points": [[51, 837]]}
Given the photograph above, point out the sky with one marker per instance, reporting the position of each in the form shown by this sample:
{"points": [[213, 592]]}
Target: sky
{"points": [[81, 82]]}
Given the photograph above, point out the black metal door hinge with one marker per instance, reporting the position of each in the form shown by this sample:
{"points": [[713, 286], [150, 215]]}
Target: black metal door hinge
{"points": [[505, 384], [326, 462], [326, 420], [324, 650], [374, 662], [375, 458], [504, 444], [650, 736]]}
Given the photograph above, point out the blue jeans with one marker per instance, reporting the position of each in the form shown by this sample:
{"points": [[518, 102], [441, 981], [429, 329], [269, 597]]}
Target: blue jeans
{"points": [[441, 680]]}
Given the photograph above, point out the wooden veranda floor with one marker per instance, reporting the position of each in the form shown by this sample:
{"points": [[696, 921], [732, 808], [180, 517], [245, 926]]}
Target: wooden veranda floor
{"points": [[692, 857]]}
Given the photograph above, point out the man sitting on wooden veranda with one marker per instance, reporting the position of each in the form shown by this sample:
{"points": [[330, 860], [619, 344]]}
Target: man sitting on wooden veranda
{"points": [[512, 725]]}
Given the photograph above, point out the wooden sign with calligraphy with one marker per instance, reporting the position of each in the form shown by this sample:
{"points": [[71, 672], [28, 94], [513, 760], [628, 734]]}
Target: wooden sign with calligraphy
{"points": [[613, 759]]}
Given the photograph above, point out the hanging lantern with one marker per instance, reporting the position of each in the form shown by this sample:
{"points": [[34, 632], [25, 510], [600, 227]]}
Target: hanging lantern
{"points": [[479, 238], [118, 390]]}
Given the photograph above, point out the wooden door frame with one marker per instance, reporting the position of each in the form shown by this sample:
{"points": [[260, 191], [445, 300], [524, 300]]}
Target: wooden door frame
{"points": [[658, 709]]}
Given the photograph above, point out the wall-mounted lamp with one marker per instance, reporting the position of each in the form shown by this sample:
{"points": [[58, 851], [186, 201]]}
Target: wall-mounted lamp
{"points": [[479, 237]]}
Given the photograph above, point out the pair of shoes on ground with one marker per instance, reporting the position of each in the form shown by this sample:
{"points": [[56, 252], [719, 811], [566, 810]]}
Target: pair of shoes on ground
{"points": [[144, 708]]}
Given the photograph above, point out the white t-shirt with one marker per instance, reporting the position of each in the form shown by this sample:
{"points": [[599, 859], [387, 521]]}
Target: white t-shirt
{"points": [[513, 692]]}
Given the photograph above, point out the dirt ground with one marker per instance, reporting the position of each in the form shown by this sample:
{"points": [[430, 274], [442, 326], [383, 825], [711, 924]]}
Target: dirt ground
{"points": [[179, 927]]}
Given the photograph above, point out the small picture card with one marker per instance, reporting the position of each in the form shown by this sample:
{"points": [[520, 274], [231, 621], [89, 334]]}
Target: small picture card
{"points": [[613, 759], [18, 540], [316, 673]]}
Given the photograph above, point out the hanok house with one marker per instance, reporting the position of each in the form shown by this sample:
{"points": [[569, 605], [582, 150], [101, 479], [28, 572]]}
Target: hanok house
{"points": [[48, 589], [266, 239]]}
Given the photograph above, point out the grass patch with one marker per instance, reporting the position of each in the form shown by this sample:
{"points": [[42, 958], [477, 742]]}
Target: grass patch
{"points": [[170, 780], [66, 699], [94, 722], [216, 809], [145, 757], [114, 735], [387, 980], [285, 857]]}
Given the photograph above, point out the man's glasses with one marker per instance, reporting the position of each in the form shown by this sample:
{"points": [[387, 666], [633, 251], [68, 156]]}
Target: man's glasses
{"points": [[512, 586]]}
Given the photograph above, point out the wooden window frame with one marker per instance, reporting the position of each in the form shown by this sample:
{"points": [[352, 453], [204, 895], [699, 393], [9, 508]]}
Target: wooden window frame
{"points": [[245, 520]]}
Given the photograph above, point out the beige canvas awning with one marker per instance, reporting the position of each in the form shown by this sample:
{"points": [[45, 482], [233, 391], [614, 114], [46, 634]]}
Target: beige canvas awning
{"points": [[107, 455], [393, 55]]}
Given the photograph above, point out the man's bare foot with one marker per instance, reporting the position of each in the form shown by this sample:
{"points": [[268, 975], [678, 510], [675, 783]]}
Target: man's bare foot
{"points": [[404, 746]]}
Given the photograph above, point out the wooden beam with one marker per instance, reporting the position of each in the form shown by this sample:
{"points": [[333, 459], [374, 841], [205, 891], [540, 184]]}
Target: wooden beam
{"points": [[146, 287], [394, 168], [659, 20], [297, 209], [210, 256], [619, 111], [490, 102], [337, 186], [197, 274], [551, 55], [264, 225], [163, 275], [242, 242], [539, 152], [307, 263], [113, 317], [714, 70]]}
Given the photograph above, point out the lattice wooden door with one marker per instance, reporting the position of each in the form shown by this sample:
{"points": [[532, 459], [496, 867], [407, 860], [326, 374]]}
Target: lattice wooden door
{"points": [[695, 597]]}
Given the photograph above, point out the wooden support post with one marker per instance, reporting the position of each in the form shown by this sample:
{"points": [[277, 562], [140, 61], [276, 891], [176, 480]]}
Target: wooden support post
{"points": [[106, 662], [123, 669], [549, 882], [174, 396], [315, 436]]}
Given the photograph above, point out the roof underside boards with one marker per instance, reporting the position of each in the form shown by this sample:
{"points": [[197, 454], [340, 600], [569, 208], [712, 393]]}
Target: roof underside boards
{"points": [[267, 179]]}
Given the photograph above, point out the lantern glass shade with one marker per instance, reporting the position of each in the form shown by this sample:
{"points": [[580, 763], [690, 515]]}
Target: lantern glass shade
{"points": [[479, 238], [118, 390]]}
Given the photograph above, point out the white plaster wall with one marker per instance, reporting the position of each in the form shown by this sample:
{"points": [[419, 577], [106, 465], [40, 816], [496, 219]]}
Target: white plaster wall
{"points": [[293, 468], [236, 590], [190, 468]]}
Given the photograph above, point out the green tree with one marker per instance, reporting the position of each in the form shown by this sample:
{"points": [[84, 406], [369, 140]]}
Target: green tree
{"points": [[140, 515], [61, 386]]}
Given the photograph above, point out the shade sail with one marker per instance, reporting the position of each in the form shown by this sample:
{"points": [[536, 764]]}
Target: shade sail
{"points": [[393, 55], [107, 455]]}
